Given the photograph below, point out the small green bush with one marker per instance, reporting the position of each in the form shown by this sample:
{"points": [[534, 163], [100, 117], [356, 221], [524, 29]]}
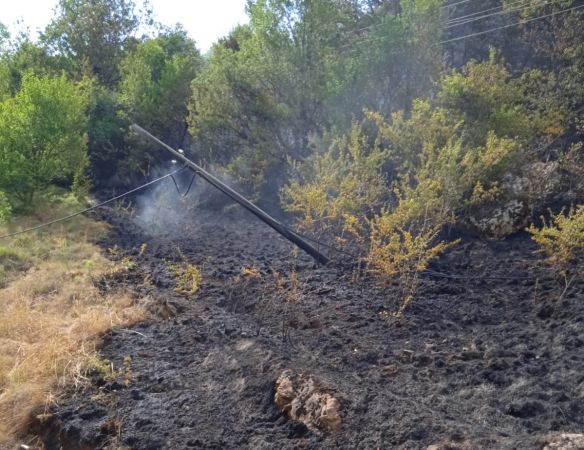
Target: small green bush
{"points": [[5, 208], [343, 181], [562, 237]]}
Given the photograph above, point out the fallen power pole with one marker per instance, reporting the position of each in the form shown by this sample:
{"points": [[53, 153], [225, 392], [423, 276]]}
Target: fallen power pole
{"points": [[237, 197]]}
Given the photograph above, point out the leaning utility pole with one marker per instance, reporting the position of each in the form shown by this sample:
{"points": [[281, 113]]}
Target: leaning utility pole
{"points": [[261, 214]]}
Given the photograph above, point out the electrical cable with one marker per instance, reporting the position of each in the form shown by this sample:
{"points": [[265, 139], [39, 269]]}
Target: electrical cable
{"points": [[500, 7], [372, 41], [78, 213], [485, 16], [456, 4], [523, 3], [188, 189], [555, 13]]}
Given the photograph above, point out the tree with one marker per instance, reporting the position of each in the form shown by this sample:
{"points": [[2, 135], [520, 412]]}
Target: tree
{"points": [[106, 133], [558, 42], [23, 56], [4, 36], [264, 90], [391, 56], [42, 136], [155, 88], [302, 66], [98, 32]]}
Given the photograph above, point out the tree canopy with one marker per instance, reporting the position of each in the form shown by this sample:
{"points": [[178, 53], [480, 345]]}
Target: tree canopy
{"points": [[42, 135], [95, 33], [436, 87]]}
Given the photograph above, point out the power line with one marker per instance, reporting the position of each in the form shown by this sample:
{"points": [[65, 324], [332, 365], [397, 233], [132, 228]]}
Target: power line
{"points": [[505, 11], [459, 18], [372, 41], [456, 4], [379, 25], [555, 13], [70, 216]]}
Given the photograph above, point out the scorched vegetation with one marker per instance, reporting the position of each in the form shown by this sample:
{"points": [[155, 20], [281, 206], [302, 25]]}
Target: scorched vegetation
{"points": [[405, 139]]}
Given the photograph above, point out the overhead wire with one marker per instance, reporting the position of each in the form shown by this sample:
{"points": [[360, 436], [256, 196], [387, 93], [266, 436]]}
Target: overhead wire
{"points": [[455, 4], [476, 13], [459, 18], [498, 13], [479, 33], [371, 27], [521, 22], [91, 208]]}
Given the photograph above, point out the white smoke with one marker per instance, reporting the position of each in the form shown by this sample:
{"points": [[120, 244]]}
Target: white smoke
{"points": [[165, 211]]}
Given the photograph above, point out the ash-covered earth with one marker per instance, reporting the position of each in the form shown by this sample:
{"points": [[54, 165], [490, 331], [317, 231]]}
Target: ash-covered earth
{"points": [[486, 358]]}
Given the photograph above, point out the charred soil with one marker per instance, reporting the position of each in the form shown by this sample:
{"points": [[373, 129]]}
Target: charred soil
{"points": [[486, 358]]}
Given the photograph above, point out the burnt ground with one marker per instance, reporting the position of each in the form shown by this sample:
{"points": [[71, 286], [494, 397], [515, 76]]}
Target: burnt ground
{"points": [[477, 361]]}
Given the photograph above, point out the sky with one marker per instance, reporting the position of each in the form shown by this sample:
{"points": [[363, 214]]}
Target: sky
{"points": [[204, 20]]}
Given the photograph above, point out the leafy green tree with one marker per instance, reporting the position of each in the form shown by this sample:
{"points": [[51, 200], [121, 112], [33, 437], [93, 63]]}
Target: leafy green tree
{"points": [[303, 66], [106, 133], [559, 45], [24, 56], [235, 112], [155, 89], [4, 37], [263, 90], [96, 32], [5, 208], [391, 56], [42, 136]]}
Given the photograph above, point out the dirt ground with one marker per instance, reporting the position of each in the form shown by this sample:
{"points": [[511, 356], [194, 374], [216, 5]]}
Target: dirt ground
{"points": [[485, 359]]}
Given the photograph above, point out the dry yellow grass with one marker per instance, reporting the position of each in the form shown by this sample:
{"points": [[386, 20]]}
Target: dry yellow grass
{"points": [[51, 316]]}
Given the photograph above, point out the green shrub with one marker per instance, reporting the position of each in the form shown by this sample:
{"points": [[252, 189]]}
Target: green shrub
{"points": [[5, 208], [42, 135], [562, 237], [343, 181]]}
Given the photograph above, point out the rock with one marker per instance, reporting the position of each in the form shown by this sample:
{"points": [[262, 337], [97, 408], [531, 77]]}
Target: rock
{"points": [[500, 222], [564, 441], [303, 399], [544, 179], [537, 181]]}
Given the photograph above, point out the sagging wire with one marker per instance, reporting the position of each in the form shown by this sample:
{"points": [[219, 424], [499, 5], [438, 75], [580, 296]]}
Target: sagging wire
{"points": [[188, 188], [171, 175], [99, 205]]}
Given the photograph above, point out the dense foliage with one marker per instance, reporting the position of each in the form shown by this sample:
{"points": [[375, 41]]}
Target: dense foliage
{"points": [[367, 119], [42, 136]]}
